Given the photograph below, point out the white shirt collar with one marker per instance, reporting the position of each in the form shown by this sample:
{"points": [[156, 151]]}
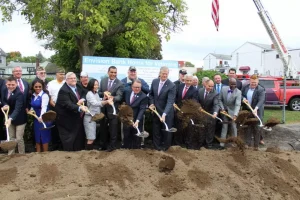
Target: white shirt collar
{"points": [[39, 94]]}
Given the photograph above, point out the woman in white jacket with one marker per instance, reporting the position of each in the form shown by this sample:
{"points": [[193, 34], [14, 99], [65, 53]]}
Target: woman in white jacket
{"points": [[93, 103]]}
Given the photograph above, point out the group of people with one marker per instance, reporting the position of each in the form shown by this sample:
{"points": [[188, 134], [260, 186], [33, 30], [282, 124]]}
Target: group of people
{"points": [[76, 104]]}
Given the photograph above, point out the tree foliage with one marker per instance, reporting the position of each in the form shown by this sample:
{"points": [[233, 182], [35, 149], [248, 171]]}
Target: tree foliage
{"points": [[87, 24], [189, 64], [209, 73]]}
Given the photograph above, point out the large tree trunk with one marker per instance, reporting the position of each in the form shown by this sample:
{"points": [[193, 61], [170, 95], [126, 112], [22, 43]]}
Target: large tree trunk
{"points": [[85, 49]]}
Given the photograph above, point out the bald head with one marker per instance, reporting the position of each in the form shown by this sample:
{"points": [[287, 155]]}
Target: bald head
{"points": [[209, 85]]}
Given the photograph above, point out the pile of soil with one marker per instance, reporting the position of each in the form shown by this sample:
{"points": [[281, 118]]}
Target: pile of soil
{"points": [[135, 174]]}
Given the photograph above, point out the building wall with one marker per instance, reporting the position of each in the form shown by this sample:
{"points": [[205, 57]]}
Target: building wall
{"points": [[2, 61], [248, 55], [274, 66], [210, 62]]}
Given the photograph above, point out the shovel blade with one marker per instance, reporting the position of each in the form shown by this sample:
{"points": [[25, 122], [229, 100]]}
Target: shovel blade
{"points": [[47, 128]]}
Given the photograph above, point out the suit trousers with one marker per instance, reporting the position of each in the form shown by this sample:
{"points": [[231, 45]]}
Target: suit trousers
{"points": [[253, 131], [131, 141], [110, 132], [161, 139], [225, 129], [17, 132], [210, 126]]}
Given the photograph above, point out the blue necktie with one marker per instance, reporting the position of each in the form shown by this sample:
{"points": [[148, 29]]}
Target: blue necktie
{"points": [[218, 88]]}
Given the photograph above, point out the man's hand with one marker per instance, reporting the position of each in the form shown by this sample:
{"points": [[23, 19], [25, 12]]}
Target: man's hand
{"points": [[255, 112], [215, 115], [163, 118], [152, 106], [234, 118], [110, 101], [83, 108], [81, 101], [136, 124], [8, 123], [245, 100], [6, 107]]}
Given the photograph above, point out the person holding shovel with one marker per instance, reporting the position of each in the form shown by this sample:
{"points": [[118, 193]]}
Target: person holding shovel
{"points": [[40, 105], [93, 103], [12, 99]]}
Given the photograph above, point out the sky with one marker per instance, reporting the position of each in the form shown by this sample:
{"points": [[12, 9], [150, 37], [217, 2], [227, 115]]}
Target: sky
{"points": [[239, 23]]}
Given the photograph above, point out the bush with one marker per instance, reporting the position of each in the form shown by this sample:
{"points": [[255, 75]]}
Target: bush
{"points": [[208, 73]]}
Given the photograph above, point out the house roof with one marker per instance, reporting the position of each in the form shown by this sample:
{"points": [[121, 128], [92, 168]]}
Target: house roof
{"points": [[219, 56], [263, 46], [20, 64], [2, 53]]}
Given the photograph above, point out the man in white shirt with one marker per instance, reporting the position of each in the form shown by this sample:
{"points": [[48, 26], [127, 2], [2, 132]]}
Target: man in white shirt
{"points": [[53, 88]]}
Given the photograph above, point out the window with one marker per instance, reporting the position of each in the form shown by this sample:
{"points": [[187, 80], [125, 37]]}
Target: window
{"points": [[267, 83], [277, 56], [0, 60]]}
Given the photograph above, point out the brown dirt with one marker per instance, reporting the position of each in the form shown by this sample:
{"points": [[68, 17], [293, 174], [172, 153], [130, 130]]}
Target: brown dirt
{"points": [[167, 164], [134, 174], [8, 145]]}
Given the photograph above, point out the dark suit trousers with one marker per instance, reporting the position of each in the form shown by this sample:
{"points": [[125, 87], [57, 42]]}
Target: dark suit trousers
{"points": [[161, 139], [254, 131], [110, 130], [210, 131], [55, 139], [2, 127], [131, 141]]}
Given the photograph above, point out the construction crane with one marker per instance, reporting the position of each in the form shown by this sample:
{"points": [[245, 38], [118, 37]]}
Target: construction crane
{"points": [[279, 46]]}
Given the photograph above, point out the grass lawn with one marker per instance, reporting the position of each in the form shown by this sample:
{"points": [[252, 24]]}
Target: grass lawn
{"points": [[276, 112]]}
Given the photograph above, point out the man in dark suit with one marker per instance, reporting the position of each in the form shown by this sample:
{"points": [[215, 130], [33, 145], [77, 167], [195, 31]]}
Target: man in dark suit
{"points": [[255, 95], [162, 96], [23, 86], [196, 82], [12, 99], [138, 101], [185, 91], [182, 73], [69, 118], [208, 98], [113, 85], [232, 74]]}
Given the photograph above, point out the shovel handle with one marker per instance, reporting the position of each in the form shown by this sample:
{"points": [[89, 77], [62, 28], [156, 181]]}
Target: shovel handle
{"points": [[6, 118], [249, 106], [158, 115]]}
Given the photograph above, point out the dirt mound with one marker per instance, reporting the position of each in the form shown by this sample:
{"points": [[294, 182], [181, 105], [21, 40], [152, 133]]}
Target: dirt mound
{"points": [[167, 164], [134, 174]]}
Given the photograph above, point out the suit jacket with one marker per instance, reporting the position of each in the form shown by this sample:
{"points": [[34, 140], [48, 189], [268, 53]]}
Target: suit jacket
{"points": [[239, 84], [177, 83], [165, 99], [258, 99], [191, 93], [233, 104], [16, 106], [26, 95], [211, 103], [138, 106], [116, 91]]}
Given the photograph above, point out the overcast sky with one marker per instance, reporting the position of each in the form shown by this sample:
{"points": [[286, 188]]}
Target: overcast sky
{"points": [[239, 23]]}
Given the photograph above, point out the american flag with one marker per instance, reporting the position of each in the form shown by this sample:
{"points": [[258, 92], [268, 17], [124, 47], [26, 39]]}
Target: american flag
{"points": [[215, 13]]}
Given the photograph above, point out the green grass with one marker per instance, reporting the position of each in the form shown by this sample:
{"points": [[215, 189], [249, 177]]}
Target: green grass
{"points": [[276, 112]]}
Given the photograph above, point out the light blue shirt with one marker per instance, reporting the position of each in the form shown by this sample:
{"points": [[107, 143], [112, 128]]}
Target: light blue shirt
{"points": [[249, 95], [74, 90]]}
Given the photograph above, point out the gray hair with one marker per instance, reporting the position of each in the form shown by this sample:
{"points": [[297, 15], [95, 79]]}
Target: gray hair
{"points": [[195, 77], [17, 67], [70, 74], [163, 68], [188, 75], [205, 79]]}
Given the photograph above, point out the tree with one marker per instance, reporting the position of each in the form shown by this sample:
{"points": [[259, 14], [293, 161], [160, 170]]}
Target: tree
{"points": [[189, 64], [16, 56], [88, 23], [208, 73]]}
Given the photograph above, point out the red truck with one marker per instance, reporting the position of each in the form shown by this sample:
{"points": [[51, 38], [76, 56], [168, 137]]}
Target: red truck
{"points": [[274, 92]]}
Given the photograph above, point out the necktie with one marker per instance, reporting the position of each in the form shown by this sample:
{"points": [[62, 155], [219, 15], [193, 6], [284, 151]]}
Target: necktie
{"points": [[20, 85], [77, 94], [160, 86], [206, 93], [8, 95], [218, 88], [184, 91], [109, 85], [132, 98]]}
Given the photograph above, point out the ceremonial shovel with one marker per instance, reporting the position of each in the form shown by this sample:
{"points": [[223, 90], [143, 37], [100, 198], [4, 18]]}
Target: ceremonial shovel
{"points": [[158, 115], [7, 144], [32, 113]]}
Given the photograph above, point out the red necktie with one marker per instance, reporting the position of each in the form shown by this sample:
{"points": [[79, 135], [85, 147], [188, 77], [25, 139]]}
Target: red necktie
{"points": [[184, 91], [77, 94], [20, 86]]}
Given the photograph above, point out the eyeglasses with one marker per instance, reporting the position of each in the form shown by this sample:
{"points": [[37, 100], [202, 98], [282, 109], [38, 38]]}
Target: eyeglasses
{"points": [[71, 78], [37, 87], [42, 72]]}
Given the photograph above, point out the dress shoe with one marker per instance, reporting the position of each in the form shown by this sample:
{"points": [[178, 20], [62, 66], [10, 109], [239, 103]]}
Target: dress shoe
{"points": [[110, 149], [221, 148]]}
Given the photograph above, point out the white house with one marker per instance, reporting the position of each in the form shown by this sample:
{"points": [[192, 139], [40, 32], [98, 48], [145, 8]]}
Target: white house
{"points": [[263, 59], [216, 61], [2, 61]]}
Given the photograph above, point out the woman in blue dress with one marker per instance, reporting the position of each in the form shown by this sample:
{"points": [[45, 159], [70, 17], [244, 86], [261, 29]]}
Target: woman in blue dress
{"points": [[39, 103]]}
